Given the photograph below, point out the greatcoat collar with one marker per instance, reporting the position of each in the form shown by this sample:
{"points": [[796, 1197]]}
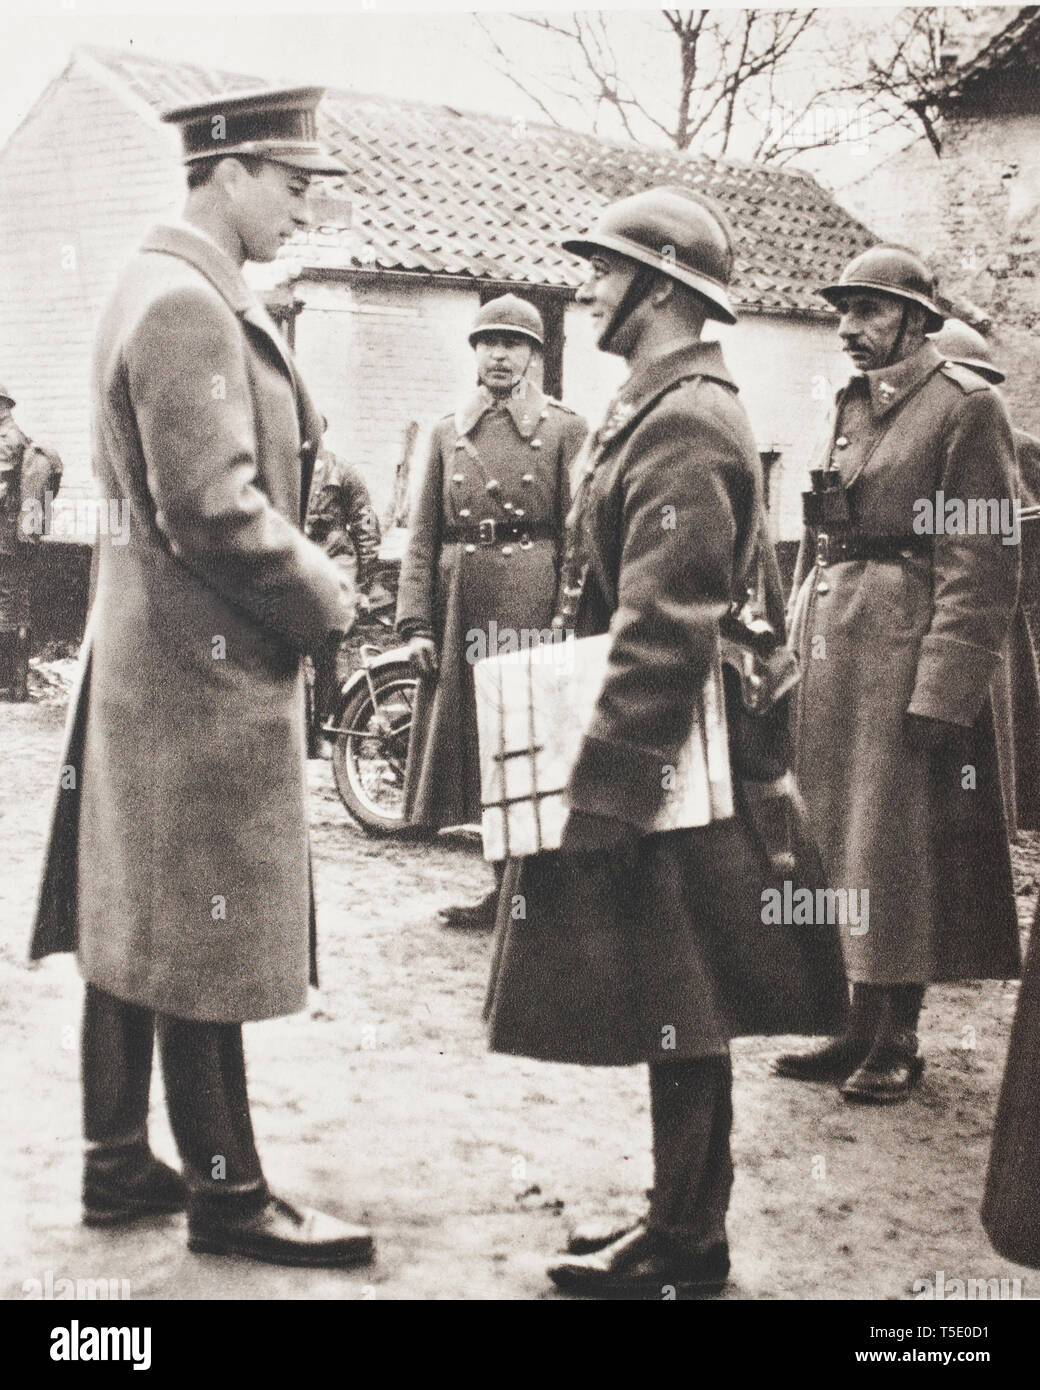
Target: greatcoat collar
{"points": [[651, 381], [195, 247], [888, 387], [220, 270], [526, 409]]}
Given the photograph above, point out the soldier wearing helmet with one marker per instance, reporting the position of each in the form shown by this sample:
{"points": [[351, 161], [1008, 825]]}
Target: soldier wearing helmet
{"points": [[906, 588], [1016, 685], [636, 946], [486, 529]]}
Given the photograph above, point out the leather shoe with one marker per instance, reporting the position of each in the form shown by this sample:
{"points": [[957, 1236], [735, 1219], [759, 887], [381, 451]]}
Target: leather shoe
{"points": [[281, 1234], [832, 1061], [888, 1073], [152, 1188], [479, 917], [598, 1233], [638, 1266]]}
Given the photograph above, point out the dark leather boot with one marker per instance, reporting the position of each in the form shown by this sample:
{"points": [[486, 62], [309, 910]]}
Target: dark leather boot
{"points": [[276, 1232], [838, 1058], [888, 1073], [641, 1265], [122, 1180], [599, 1232], [479, 917], [128, 1183]]}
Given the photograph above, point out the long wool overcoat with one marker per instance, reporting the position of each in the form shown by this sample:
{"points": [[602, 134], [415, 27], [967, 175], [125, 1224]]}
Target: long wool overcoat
{"points": [[509, 463], [923, 832], [1011, 1203], [660, 951], [178, 863], [1016, 685]]}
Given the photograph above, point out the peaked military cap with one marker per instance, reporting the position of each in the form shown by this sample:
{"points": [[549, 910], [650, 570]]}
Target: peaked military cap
{"points": [[277, 124], [5, 395]]}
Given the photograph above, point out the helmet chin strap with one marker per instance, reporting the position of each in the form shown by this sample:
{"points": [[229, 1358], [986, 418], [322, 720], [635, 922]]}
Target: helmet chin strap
{"points": [[897, 342], [637, 290]]}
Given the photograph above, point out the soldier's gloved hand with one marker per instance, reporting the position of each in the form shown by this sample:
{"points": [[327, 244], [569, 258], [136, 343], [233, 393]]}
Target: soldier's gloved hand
{"points": [[927, 734], [422, 651], [586, 833]]}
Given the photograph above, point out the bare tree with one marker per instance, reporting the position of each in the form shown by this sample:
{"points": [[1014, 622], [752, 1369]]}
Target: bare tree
{"points": [[723, 67], [901, 72]]}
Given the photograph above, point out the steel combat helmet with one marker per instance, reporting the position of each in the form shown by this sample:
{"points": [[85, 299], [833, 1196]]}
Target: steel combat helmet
{"points": [[674, 231], [508, 314], [959, 342], [891, 270]]}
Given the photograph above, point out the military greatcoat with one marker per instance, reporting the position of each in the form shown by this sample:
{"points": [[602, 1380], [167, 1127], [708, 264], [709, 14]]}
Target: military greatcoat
{"points": [[178, 862], [920, 631], [659, 950], [490, 465]]}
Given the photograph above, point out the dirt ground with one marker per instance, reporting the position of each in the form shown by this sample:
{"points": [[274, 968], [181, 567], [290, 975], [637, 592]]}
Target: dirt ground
{"points": [[383, 1105]]}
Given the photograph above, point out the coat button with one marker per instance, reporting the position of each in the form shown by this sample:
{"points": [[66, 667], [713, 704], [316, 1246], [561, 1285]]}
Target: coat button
{"points": [[527, 479], [507, 550], [493, 485], [841, 442], [517, 511], [536, 443], [458, 477], [470, 549], [823, 587], [507, 506], [464, 511]]}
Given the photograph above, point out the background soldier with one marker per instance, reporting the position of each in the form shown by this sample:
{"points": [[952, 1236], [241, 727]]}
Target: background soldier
{"points": [[900, 628], [1016, 685], [634, 946], [178, 865], [342, 520], [486, 529], [28, 473]]}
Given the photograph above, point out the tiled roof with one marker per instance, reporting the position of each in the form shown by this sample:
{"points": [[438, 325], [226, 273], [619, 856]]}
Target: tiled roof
{"points": [[439, 191], [1015, 49]]}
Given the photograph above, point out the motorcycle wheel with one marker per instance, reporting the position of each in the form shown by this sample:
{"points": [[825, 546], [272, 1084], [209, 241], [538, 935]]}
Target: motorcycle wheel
{"points": [[371, 749]]}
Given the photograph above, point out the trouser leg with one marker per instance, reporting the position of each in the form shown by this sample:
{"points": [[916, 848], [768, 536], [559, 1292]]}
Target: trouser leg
{"points": [[205, 1078], [116, 1063], [692, 1115], [326, 676]]}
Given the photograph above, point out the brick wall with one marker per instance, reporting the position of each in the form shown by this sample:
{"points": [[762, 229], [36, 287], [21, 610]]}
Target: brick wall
{"points": [[377, 355], [82, 179]]}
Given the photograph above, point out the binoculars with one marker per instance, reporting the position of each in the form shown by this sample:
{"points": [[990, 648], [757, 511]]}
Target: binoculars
{"points": [[826, 506]]}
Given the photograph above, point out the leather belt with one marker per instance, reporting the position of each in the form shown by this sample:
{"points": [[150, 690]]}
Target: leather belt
{"points": [[852, 545], [491, 531]]}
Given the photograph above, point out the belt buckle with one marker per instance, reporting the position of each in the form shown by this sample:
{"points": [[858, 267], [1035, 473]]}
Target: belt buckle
{"points": [[486, 531], [823, 549]]}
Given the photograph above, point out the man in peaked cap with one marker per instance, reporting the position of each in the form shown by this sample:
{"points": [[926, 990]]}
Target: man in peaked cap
{"points": [[902, 611], [486, 531], [178, 864], [637, 945]]}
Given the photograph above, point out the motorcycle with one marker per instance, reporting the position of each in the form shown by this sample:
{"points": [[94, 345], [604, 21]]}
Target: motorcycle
{"points": [[369, 728]]}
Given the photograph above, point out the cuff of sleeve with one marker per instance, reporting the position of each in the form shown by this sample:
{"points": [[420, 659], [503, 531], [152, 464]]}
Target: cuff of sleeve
{"points": [[952, 680], [410, 628], [617, 781]]}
